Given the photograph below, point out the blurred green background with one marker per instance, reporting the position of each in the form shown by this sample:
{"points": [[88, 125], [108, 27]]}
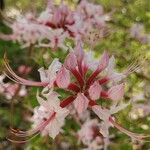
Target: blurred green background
{"points": [[118, 42]]}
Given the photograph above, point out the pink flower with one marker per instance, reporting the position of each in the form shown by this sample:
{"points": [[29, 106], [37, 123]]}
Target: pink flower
{"points": [[47, 108], [56, 38], [89, 131], [90, 136], [85, 85], [76, 66], [55, 24]]}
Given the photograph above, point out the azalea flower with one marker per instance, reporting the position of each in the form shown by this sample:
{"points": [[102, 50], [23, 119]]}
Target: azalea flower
{"points": [[86, 87], [55, 24], [49, 107], [92, 13]]}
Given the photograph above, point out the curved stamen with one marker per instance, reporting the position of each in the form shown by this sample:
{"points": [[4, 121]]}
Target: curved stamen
{"points": [[22, 141], [136, 136], [134, 66], [33, 131], [20, 80]]}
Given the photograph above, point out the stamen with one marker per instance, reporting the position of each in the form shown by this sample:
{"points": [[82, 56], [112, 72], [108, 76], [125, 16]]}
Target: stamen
{"points": [[20, 80], [22, 141], [134, 66], [19, 133], [11, 78], [136, 136]]}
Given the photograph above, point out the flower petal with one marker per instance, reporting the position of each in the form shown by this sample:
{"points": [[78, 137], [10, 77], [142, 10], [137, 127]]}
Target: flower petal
{"points": [[103, 114], [104, 61], [54, 128], [81, 103], [95, 90], [79, 51], [71, 61], [43, 75], [111, 65], [119, 107], [63, 78], [104, 129], [116, 92], [54, 68]]}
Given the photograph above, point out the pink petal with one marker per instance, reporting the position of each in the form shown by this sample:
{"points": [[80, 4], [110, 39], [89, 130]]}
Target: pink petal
{"points": [[71, 61], [79, 51], [116, 92], [104, 61], [95, 90], [81, 103], [63, 78], [56, 17]]}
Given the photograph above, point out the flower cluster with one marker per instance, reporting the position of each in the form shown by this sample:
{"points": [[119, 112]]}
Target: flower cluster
{"points": [[56, 23], [90, 86], [88, 82]]}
